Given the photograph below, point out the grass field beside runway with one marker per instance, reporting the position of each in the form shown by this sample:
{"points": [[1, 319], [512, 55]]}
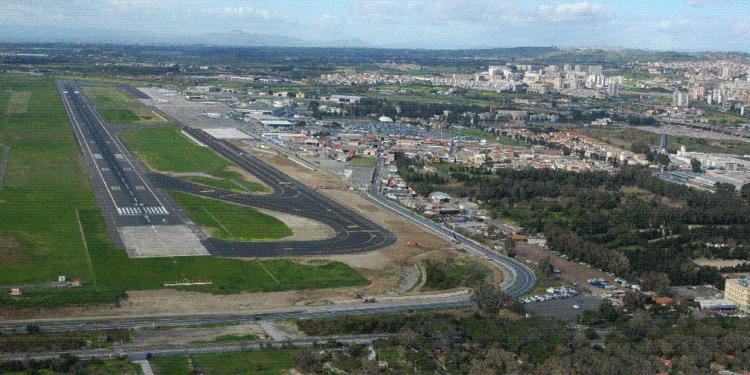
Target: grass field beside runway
{"points": [[118, 107], [113, 269], [43, 186], [262, 362], [233, 185], [167, 149], [231, 222]]}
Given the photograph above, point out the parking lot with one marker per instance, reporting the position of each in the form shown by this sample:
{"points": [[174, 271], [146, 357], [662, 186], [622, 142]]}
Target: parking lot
{"points": [[563, 308]]}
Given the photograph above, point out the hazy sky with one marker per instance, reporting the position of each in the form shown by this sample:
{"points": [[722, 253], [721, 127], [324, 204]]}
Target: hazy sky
{"points": [[650, 24]]}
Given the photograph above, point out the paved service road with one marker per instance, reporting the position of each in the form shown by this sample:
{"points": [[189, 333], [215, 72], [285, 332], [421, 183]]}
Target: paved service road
{"points": [[354, 233]]}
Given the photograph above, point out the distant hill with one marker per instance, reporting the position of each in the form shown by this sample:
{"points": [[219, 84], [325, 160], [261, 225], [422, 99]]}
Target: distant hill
{"points": [[241, 38]]}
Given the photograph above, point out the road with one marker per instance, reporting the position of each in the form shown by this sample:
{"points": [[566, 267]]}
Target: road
{"points": [[141, 353], [519, 279], [382, 305], [353, 232]]}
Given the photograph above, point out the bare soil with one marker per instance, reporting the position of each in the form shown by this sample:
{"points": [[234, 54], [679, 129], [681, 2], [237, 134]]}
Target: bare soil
{"points": [[572, 272], [303, 229], [186, 335]]}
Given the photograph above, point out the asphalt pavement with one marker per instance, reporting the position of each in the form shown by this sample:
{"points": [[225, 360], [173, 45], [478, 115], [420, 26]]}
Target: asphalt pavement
{"points": [[353, 232]]}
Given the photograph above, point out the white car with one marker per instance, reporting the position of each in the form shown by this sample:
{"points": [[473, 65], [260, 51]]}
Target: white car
{"points": [[577, 307]]}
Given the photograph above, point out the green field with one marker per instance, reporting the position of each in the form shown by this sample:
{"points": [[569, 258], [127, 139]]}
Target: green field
{"points": [[625, 137], [167, 149], [478, 134], [45, 191], [227, 184], [119, 107], [44, 185], [262, 362], [229, 221], [114, 270], [363, 162]]}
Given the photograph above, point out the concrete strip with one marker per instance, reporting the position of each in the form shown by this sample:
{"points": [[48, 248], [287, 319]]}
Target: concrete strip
{"points": [[145, 366], [161, 241], [3, 163]]}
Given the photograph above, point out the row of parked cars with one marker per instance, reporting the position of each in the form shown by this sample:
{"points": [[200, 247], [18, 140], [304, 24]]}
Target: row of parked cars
{"points": [[604, 284], [552, 294]]}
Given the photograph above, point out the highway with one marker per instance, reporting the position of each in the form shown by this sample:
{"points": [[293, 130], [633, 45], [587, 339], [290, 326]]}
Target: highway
{"points": [[141, 353], [353, 232], [382, 305]]}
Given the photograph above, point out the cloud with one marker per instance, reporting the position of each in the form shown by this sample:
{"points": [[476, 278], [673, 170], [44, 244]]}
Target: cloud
{"points": [[238, 12], [703, 3]]}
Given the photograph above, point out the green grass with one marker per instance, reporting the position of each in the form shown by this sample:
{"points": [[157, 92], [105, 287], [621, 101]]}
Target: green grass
{"points": [[489, 137], [226, 184], [167, 149], [625, 137], [119, 107], [263, 362], [726, 117], [98, 367], [119, 116], [44, 185], [229, 338], [115, 271], [231, 222], [363, 162]]}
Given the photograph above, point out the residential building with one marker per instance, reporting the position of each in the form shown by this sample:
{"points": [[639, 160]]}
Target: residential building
{"points": [[737, 292]]}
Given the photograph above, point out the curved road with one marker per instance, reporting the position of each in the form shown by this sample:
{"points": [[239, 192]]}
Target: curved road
{"points": [[353, 232], [519, 279]]}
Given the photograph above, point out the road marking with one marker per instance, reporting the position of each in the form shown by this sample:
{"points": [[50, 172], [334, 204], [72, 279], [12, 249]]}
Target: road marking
{"points": [[86, 246], [268, 272]]}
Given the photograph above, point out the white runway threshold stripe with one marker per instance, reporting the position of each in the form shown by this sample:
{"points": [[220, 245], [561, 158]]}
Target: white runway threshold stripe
{"points": [[129, 211]]}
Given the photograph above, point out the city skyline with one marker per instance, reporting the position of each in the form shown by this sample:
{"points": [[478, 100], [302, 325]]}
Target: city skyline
{"points": [[676, 25]]}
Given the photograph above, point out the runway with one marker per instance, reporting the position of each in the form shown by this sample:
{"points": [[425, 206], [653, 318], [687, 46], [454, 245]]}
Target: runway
{"points": [[139, 218], [354, 233]]}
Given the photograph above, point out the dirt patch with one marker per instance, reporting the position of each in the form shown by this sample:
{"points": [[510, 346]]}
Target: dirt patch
{"points": [[303, 229], [19, 102], [570, 271], [185, 335], [719, 263], [10, 251]]}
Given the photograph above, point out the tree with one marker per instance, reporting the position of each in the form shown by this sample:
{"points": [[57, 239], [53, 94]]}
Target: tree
{"points": [[490, 298], [510, 247], [304, 361], [725, 188], [695, 164], [656, 281], [662, 159], [745, 191], [546, 267]]}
